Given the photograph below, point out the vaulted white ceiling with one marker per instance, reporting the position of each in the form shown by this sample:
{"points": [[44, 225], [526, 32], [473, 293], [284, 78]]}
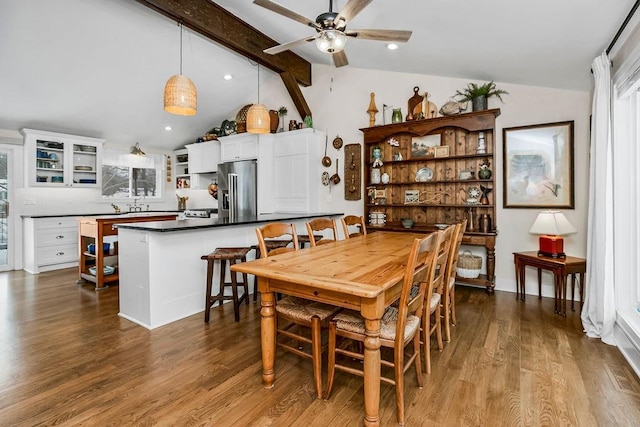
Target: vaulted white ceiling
{"points": [[97, 68]]}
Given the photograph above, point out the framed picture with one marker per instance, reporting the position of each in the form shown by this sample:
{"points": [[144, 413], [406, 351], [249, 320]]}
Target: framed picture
{"points": [[464, 175], [411, 197], [538, 166], [424, 146], [442, 151]]}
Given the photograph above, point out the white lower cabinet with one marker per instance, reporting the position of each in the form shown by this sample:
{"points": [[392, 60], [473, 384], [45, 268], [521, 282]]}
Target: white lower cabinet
{"points": [[50, 243]]}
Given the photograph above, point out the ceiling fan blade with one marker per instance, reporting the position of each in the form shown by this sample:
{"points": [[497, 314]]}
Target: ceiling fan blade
{"points": [[340, 59], [275, 7], [351, 9], [386, 35], [286, 46]]}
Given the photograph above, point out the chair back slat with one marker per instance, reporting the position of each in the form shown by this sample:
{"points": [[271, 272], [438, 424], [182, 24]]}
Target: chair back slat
{"points": [[279, 231], [454, 252], [416, 277], [318, 225], [353, 221]]}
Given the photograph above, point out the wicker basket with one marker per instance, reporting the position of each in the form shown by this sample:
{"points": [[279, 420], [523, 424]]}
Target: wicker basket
{"points": [[469, 265], [241, 119]]}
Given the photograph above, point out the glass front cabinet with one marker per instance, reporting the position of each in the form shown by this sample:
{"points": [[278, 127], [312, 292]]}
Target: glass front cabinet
{"points": [[61, 160]]}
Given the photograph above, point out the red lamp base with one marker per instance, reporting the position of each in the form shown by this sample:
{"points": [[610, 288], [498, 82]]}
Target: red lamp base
{"points": [[552, 246]]}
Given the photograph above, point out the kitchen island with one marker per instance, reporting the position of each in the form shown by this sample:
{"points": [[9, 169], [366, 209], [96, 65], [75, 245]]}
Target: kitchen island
{"points": [[93, 230], [162, 278]]}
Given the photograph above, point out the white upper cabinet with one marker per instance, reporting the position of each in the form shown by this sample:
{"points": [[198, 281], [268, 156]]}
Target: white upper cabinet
{"points": [[61, 160], [204, 157], [243, 146]]}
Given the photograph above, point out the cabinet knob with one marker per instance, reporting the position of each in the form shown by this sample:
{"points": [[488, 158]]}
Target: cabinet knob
{"points": [[60, 253], [59, 237]]}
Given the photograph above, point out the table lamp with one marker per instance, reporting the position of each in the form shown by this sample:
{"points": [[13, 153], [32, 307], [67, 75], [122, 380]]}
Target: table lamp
{"points": [[551, 225]]}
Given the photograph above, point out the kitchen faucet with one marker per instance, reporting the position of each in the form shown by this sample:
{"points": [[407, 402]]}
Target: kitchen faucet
{"points": [[135, 207], [115, 207]]}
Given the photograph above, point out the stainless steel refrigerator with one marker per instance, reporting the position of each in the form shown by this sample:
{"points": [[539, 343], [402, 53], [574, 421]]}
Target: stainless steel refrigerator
{"points": [[238, 186]]}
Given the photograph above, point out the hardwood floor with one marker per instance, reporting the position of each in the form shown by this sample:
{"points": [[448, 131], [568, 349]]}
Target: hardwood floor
{"points": [[66, 358]]}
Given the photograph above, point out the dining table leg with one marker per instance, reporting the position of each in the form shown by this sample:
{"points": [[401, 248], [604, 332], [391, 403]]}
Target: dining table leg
{"points": [[372, 372], [268, 337]]}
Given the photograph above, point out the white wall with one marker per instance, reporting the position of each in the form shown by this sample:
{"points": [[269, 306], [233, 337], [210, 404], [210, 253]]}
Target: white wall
{"points": [[340, 97]]}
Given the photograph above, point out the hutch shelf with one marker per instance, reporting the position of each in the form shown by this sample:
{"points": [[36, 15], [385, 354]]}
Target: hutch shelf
{"points": [[430, 173]]}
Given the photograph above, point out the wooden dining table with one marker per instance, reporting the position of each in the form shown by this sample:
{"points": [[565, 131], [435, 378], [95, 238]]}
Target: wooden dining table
{"points": [[362, 273]]}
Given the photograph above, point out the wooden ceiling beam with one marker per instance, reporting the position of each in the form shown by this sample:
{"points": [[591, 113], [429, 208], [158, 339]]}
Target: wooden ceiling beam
{"points": [[296, 94], [217, 24]]}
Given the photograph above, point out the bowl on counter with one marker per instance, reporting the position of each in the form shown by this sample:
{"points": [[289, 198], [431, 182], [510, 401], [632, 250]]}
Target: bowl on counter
{"points": [[107, 269]]}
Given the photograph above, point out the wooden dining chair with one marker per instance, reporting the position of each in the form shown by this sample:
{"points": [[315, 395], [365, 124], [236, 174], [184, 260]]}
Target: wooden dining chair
{"points": [[431, 322], [406, 317], [449, 303], [297, 313], [319, 226], [353, 221]]}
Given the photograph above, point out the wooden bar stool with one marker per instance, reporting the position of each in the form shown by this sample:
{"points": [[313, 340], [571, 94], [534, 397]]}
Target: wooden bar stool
{"points": [[303, 239], [225, 256]]}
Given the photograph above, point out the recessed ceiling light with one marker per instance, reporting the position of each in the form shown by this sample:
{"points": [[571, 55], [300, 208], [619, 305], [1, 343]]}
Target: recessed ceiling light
{"points": [[167, 128], [227, 77], [392, 46]]}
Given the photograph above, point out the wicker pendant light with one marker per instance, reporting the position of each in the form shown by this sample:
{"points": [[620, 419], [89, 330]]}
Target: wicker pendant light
{"points": [[258, 120], [180, 96]]}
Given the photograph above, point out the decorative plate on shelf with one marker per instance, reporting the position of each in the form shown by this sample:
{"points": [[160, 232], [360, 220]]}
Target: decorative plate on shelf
{"points": [[424, 175]]}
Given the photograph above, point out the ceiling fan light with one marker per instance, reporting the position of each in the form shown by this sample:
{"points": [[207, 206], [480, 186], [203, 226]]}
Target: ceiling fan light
{"points": [[180, 96], [258, 120], [331, 41]]}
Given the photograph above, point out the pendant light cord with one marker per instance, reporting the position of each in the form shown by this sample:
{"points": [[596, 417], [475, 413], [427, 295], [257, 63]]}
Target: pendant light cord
{"points": [[180, 25], [258, 83]]}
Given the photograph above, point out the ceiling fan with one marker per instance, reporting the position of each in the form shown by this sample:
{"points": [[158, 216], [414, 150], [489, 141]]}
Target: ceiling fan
{"points": [[331, 28]]}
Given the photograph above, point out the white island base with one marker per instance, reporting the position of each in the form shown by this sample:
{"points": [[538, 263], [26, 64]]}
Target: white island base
{"points": [[163, 279]]}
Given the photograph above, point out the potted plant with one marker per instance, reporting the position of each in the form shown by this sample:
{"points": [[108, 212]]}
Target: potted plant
{"points": [[478, 94], [282, 112]]}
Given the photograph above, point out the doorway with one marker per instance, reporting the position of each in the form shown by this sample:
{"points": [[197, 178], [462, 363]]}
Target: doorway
{"points": [[6, 220]]}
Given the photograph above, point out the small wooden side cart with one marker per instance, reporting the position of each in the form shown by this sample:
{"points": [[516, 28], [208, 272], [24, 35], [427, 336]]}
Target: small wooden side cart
{"points": [[93, 230]]}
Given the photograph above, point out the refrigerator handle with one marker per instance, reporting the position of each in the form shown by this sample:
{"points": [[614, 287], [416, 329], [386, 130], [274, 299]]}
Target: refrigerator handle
{"points": [[233, 195]]}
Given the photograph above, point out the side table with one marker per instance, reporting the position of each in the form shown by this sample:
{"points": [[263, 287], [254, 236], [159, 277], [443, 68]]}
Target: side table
{"points": [[560, 267]]}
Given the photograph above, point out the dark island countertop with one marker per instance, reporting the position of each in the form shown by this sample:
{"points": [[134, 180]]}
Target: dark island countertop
{"points": [[199, 223]]}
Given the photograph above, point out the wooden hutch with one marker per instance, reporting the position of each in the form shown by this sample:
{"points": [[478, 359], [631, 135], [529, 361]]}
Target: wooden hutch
{"points": [[432, 167]]}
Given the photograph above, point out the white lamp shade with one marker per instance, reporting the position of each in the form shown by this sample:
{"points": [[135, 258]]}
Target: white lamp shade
{"points": [[552, 223], [258, 120]]}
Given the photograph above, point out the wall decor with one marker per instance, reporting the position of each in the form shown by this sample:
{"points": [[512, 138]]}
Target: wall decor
{"points": [[424, 146], [352, 171], [538, 166], [464, 175], [442, 151], [411, 197]]}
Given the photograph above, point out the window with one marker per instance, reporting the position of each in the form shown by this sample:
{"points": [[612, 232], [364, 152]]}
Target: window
{"points": [[626, 157], [127, 176]]}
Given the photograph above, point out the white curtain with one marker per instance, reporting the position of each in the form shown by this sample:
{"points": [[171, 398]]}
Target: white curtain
{"points": [[599, 311]]}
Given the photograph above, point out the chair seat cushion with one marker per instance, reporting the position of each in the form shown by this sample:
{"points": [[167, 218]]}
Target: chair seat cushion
{"points": [[352, 321], [303, 309]]}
